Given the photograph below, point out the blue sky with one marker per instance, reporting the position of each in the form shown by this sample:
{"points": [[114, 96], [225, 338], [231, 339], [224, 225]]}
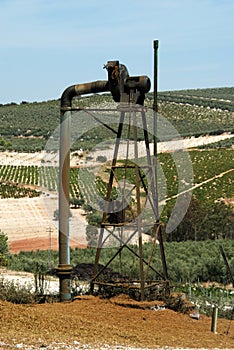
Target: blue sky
{"points": [[47, 45]]}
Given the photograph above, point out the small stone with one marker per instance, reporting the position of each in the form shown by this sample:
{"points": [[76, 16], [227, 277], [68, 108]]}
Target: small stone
{"points": [[195, 315]]}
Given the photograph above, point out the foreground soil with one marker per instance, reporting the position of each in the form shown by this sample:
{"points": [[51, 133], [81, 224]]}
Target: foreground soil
{"points": [[94, 321]]}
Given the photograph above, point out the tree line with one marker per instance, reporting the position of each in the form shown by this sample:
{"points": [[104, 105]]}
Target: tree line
{"points": [[189, 261]]}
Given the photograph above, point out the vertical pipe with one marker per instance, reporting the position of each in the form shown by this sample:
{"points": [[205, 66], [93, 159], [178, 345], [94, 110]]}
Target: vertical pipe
{"points": [[155, 108], [64, 269], [155, 45]]}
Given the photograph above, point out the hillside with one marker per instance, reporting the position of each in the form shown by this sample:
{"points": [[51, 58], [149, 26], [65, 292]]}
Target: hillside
{"points": [[28, 126], [222, 98], [29, 197]]}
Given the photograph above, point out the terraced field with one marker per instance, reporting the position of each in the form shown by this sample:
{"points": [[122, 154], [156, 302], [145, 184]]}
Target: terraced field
{"points": [[29, 222]]}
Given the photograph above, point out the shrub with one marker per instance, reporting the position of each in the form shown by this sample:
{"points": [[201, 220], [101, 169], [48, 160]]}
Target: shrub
{"points": [[101, 159], [15, 292], [3, 249]]}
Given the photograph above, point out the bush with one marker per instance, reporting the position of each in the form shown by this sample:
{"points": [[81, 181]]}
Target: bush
{"points": [[16, 293], [3, 249], [101, 159], [94, 218], [91, 235]]}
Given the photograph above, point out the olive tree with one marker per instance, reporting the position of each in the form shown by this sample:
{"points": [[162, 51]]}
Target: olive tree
{"points": [[3, 248]]}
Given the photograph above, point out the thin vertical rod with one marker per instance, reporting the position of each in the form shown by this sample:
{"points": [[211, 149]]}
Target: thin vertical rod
{"points": [[152, 174], [155, 107], [162, 251], [155, 45]]}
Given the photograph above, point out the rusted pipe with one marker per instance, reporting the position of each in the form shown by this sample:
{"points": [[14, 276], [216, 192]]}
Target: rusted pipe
{"points": [[121, 87], [82, 89], [64, 269]]}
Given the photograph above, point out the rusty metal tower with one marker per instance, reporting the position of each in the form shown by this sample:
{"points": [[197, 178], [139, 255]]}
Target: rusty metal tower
{"points": [[125, 213]]}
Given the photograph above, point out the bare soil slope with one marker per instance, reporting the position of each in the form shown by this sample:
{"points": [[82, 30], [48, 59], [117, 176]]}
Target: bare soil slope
{"points": [[97, 322]]}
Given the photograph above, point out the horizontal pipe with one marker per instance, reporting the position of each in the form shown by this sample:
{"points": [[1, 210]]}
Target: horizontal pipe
{"points": [[141, 83], [82, 89]]}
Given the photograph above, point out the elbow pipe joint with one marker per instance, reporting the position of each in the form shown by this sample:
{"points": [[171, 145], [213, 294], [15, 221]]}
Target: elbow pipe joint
{"points": [[81, 89]]}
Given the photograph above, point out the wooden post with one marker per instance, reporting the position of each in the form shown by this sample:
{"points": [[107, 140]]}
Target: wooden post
{"points": [[214, 319]]}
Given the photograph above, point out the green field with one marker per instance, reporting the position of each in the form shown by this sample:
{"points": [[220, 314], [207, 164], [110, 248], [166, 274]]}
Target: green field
{"points": [[215, 187]]}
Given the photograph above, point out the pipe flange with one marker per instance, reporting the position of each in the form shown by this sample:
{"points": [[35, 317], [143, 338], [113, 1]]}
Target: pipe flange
{"points": [[64, 269]]}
